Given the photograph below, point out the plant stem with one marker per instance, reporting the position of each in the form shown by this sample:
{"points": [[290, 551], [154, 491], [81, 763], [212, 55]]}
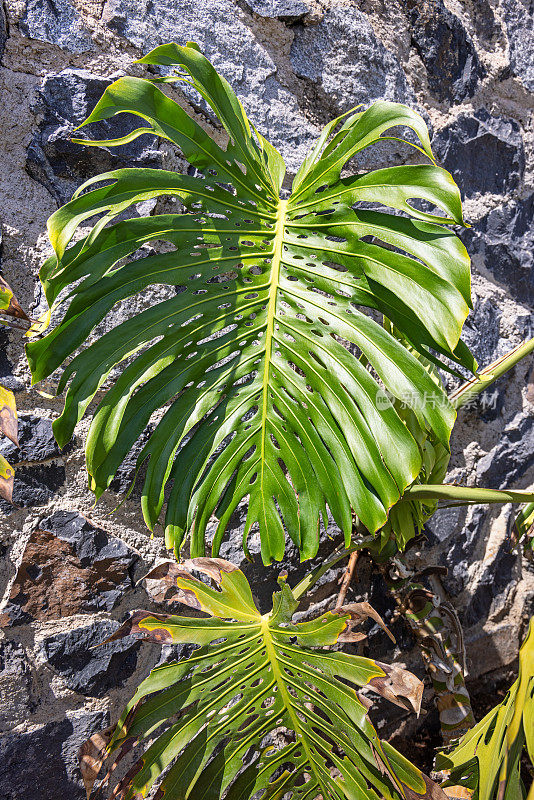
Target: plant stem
{"points": [[439, 634], [312, 577], [490, 374], [466, 494], [347, 577]]}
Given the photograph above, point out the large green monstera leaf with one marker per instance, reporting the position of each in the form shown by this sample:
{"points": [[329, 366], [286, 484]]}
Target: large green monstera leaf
{"points": [[487, 760], [277, 380], [260, 707]]}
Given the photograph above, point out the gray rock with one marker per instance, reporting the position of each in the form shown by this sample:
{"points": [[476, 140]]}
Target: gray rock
{"points": [[7, 379], [68, 567], [283, 9], [345, 59], [459, 552], [92, 545], [220, 29], [127, 471], [16, 690], [344, 64], [64, 100], [42, 764], [88, 671], [4, 30], [519, 21], [502, 243], [487, 28], [511, 458], [56, 22], [481, 331], [36, 441], [484, 153], [42, 472], [445, 48], [34, 486], [493, 586]]}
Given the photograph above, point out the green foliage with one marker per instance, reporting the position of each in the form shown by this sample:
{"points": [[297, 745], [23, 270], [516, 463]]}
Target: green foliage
{"points": [[10, 308], [408, 516], [269, 360], [261, 705], [487, 759]]}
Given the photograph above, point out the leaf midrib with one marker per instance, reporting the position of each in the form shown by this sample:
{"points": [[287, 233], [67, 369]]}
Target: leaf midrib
{"points": [[269, 331], [280, 682]]}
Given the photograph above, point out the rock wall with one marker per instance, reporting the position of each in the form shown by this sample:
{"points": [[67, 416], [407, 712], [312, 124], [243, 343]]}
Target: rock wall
{"points": [[68, 571]]}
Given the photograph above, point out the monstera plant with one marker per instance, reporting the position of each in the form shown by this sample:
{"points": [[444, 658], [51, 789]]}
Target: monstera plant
{"points": [[294, 366], [248, 357], [255, 678]]}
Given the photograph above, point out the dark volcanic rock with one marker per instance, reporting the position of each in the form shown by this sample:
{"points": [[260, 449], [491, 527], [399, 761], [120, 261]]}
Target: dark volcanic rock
{"points": [[519, 21], [89, 670], [128, 472], [42, 764], [35, 486], [487, 28], [510, 459], [56, 22], [42, 472], [499, 577], [502, 242], [344, 57], [36, 441], [65, 99], [16, 696], [481, 330], [7, 379], [445, 48], [68, 567], [483, 153]]}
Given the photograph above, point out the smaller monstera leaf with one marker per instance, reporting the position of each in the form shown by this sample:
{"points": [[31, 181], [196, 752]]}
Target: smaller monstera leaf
{"points": [[261, 706], [487, 759]]}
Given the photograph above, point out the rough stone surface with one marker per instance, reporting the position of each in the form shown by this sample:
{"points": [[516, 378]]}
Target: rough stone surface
{"points": [[56, 22], [482, 139], [511, 458], [36, 441], [445, 48], [68, 567], [40, 468], [294, 64], [64, 101], [346, 60], [85, 668], [502, 243], [41, 763], [16, 693], [284, 9], [519, 21], [3, 29]]}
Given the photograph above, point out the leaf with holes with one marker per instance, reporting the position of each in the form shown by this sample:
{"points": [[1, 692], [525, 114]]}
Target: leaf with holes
{"points": [[487, 760], [274, 374], [261, 705]]}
